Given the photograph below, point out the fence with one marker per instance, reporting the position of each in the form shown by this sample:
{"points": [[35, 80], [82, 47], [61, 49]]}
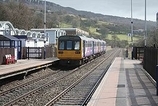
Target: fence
{"points": [[3, 52], [34, 52], [138, 53], [150, 61], [38, 52], [150, 58]]}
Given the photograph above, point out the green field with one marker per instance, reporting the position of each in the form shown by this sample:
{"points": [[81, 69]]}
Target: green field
{"points": [[109, 36], [93, 31], [63, 25], [123, 37]]}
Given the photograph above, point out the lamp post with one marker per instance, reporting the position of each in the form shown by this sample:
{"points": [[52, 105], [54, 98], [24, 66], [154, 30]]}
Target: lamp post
{"points": [[145, 35], [44, 28], [132, 26], [131, 23], [45, 18]]}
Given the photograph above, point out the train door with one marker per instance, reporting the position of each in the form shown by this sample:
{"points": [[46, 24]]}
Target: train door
{"points": [[83, 48], [92, 47], [99, 46]]}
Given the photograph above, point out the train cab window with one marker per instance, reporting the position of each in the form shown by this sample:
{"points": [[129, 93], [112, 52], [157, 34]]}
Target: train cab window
{"points": [[77, 45], [69, 45], [61, 45]]}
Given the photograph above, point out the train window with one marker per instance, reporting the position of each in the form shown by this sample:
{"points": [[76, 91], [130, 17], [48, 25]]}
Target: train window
{"points": [[69, 45], [77, 45], [61, 45]]}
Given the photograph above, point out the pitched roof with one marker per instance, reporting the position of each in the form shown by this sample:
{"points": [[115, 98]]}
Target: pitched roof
{"points": [[7, 38]]}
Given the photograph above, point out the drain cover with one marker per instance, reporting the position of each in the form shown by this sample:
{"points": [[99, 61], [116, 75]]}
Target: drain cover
{"points": [[121, 85]]}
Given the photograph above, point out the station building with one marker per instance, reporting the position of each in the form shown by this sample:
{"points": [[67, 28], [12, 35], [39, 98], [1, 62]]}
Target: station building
{"points": [[14, 38], [52, 34]]}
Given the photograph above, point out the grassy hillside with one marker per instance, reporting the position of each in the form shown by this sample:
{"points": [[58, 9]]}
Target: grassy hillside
{"points": [[92, 30], [124, 37], [64, 25]]}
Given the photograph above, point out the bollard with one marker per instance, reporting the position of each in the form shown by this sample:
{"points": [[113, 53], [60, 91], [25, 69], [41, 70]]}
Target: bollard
{"points": [[157, 80]]}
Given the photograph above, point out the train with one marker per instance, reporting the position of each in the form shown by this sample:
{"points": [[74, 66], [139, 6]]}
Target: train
{"points": [[76, 50]]}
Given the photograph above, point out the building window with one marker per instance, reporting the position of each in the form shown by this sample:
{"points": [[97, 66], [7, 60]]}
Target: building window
{"points": [[6, 43]]}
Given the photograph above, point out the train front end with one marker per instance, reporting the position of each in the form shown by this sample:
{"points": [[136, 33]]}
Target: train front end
{"points": [[69, 50]]}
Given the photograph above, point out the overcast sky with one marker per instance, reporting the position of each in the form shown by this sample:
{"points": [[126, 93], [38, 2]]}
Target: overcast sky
{"points": [[120, 8]]}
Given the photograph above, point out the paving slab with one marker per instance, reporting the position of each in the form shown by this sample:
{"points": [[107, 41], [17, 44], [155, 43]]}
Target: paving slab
{"points": [[125, 84]]}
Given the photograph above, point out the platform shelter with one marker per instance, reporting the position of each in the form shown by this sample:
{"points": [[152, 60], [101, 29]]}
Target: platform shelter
{"points": [[9, 41]]}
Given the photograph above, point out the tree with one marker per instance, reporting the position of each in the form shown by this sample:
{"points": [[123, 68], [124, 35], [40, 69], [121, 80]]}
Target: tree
{"points": [[18, 14], [37, 22], [75, 23], [103, 30], [115, 40], [68, 19], [3, 12], [152, 38]]}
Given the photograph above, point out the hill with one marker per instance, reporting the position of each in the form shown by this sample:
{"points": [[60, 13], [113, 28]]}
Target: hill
{"points": [[27, 14], [138, 24], [52, 7]]}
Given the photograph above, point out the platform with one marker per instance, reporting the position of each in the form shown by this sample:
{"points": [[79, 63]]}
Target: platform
{"points": [[125, 84], [23, 66]]}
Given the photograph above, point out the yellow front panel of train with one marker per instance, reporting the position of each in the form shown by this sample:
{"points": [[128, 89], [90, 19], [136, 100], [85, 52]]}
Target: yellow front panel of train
{"points": [[69, 54]]}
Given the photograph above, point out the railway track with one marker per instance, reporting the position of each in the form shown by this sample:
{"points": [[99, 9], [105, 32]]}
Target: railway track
{"points": [[81, 91], [41, 91], [18, 88], [31, 79]]}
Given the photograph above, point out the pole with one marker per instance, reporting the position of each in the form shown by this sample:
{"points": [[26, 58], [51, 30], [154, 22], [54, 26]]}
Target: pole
{"points": [[145, 35], [131, 23], [44, 29], [45, 18], [132, 26], [157, 80]]}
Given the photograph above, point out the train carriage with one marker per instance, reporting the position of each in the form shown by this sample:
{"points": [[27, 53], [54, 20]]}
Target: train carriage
{"points": [[75, 50], [103, 46]]}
